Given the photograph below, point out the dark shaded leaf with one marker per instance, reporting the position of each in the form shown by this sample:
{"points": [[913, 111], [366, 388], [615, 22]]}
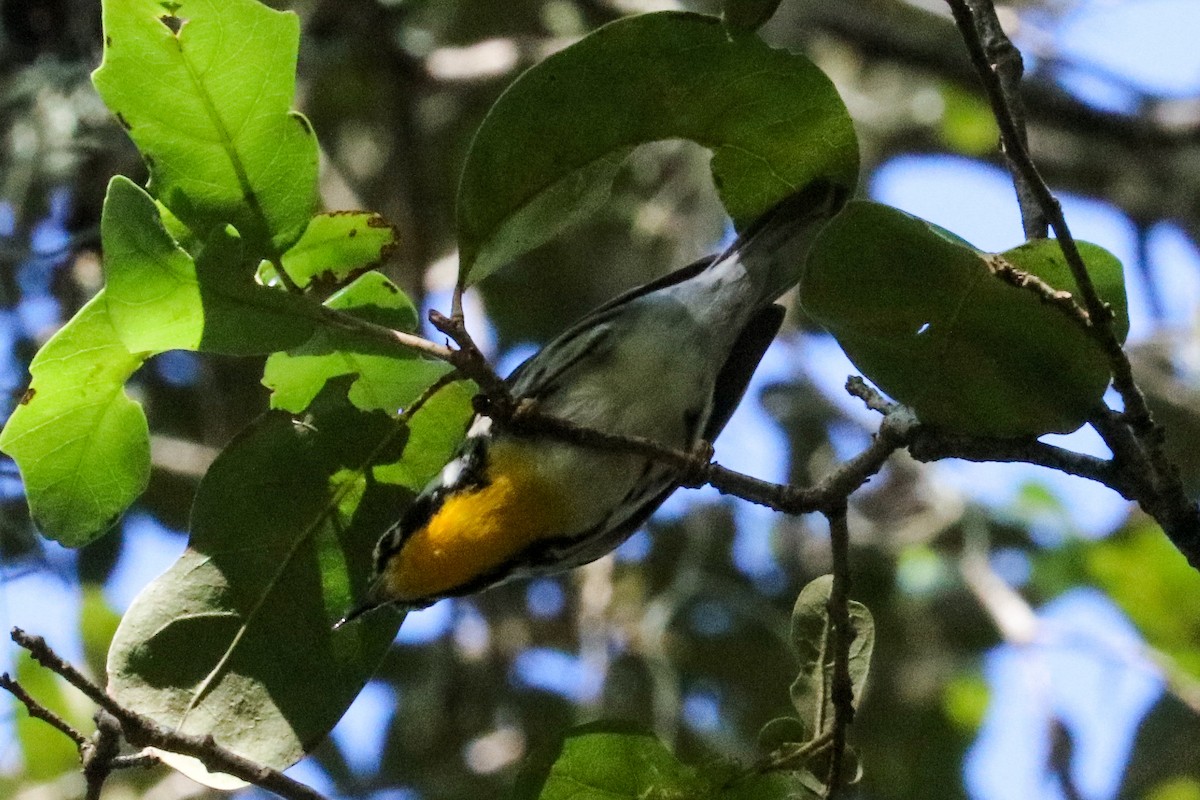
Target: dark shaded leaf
{"points": [[235, 638], [812, 693], [549, 147], [923, 315]]}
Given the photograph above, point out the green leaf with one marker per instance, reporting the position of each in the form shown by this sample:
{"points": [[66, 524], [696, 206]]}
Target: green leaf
{"points": [[609, 761], [1177, 788], [748, 15], [968, 124], [159, 299], [235, 638], [204, 89], [81, 444], [923, 315], [337, 245], [47, 752], [436, 431], [812, 691], [150, 281], [386, 380], [552, 142]]}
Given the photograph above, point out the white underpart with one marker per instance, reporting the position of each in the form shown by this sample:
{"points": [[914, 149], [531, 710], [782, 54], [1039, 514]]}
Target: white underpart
{"points": [[658, 371]]}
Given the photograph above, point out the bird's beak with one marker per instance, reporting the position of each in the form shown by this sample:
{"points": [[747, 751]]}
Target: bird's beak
{"points": [[372, 601], [356, 612]]}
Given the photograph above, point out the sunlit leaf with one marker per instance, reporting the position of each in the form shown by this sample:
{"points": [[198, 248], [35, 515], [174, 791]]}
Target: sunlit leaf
{"points": [[338, 245], [159, 299], [81, 444], [386, 380], [968, 125], [550, 146], [204, 89], [925, 317]]}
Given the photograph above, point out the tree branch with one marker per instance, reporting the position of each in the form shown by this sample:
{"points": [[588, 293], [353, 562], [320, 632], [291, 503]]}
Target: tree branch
{"points": [[993, 53], [1134, 438], [141, 731], [843, 634], [39, 711]]}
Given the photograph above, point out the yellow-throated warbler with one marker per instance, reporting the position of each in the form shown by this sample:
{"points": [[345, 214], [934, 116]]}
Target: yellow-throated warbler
{"points": [[668, 361]]}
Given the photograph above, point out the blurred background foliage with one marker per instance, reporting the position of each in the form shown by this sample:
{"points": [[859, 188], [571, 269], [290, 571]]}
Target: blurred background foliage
{"points": [[1036, 637]]}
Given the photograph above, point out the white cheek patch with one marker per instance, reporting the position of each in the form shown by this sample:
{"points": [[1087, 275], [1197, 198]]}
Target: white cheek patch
{"points": [[482, 426]]}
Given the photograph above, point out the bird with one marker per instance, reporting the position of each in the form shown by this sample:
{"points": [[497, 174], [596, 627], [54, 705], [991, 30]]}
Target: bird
{"points": [[668, 361]]}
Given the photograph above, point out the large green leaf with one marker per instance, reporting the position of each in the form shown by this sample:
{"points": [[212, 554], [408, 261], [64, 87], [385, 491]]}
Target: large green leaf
{"points": [[235, 638], [925, 316], [81, 444], [386, 380], [159, 299], [204, 89], [812, 691], [552, 142]]}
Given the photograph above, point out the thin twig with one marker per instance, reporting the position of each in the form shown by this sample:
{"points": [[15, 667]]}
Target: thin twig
{"points": [[441, 383], [284, 278], [787, 758], [928, 445], [996, 50], [136, 761], [399, 340], [141, 731], [1012, 136], [469, 360], [842, 687], [39, 711], [98, 754], [1058, 299]]}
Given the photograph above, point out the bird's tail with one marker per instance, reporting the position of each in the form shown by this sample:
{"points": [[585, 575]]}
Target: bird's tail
{"points": [[772, 250]]}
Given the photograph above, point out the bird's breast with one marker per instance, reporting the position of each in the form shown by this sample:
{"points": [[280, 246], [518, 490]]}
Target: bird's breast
{"points": [[481, 528]]}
